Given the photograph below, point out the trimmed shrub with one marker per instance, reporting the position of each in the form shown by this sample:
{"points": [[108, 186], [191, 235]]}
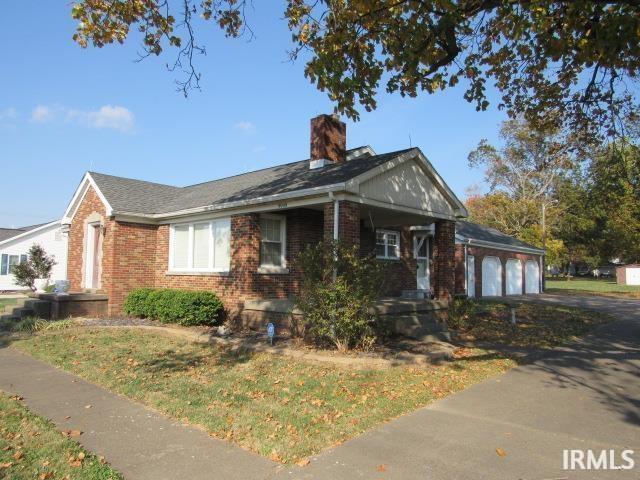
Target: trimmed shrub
{"points": [[184, 307], [136, 303]]}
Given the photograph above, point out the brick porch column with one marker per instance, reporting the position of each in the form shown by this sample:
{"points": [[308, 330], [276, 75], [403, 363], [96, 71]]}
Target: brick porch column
{"points": [[444, 246], [348, 222]]}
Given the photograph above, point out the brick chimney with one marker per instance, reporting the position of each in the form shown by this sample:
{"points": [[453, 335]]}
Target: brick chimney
{"points": [[328, 141]]}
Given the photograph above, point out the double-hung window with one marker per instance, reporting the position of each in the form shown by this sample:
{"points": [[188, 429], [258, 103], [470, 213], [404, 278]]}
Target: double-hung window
{"points": [[387, 244], [8, 263], [200, 246], [273, 241]]}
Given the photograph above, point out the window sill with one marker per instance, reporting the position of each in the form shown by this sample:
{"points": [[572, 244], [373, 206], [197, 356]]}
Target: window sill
{"points": [[390, 259], [273, 270], [195, 273]]}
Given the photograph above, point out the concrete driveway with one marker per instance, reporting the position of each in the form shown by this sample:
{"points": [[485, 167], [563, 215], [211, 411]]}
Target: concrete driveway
{"points": [[583, 396]]}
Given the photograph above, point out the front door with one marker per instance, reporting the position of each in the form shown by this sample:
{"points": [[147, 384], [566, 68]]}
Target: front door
{"points": [[421, 254], [92, 259]]}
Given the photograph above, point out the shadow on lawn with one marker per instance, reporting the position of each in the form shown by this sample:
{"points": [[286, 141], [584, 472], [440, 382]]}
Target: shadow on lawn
{"points": [[171, 361]]}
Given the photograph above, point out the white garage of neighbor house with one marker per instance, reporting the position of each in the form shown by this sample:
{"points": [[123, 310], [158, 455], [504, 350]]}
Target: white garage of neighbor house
{"points": [[15, 243], [628, 274]]}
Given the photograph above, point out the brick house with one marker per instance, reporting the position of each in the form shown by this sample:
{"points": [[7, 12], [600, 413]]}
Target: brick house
{"points": [[239, 236]]}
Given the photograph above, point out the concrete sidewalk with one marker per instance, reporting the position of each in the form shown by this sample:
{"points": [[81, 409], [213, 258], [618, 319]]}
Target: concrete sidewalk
{"points": [[138, 442], [586, 395]]}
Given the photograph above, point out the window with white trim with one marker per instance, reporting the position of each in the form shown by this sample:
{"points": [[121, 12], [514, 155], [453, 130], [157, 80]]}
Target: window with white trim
{"points": [[273, 241], [200, 246], [387, 244], [8, 263]]}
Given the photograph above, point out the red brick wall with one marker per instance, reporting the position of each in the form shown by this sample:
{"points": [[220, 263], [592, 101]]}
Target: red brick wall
{"points": [[479, 253], [444, 259], [348, 222], [400, 274]]}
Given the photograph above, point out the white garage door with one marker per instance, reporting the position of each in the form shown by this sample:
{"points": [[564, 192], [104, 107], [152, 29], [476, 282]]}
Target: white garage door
{"points": [[514, 277], [491, 277], [532, 277]]}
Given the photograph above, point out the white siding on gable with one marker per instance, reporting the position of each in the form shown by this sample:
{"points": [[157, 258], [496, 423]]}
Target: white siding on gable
{"points": [[54, 243], [407, 185]]}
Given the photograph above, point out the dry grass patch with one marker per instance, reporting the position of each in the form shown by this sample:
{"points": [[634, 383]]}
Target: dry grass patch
{"points": [[279, 407]]}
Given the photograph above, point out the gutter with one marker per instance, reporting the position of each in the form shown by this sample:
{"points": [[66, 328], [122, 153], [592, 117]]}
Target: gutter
{"points": [[499, 246], [239, 203]]}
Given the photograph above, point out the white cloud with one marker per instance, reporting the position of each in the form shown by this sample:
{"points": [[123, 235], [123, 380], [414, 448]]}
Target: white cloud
{"points": [[42, 114], [8, 114], [245, 125], [109, 116]]}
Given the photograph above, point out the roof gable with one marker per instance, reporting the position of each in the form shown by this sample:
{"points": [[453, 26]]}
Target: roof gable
{"points": [[410, 187]]}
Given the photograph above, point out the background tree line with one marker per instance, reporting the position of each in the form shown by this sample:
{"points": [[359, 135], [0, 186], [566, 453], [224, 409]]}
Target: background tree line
{"points": [[590, 198]]}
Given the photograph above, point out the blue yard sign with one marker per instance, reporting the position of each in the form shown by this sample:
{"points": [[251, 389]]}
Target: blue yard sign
{"points": [[271, 332]]}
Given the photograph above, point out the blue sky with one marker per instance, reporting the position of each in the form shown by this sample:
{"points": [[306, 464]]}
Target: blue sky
{"points": [[64, 110]]}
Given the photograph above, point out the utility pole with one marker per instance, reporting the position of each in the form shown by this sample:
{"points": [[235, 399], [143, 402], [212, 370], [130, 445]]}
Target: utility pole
{"points": [[544, 241]]}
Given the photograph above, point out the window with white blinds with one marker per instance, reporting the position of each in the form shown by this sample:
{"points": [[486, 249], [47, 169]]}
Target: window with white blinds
{"points": [[200, 246]]}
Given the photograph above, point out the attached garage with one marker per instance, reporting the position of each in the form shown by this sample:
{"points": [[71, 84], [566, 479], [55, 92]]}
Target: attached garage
{"points": [[492, 264], [514, 277], [532, 277], [491, 277]]}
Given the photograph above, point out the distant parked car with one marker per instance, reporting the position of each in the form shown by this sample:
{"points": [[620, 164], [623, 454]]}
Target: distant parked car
{"points": [[604, 272]]}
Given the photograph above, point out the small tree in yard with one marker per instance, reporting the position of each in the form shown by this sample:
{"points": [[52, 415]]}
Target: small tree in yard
{"points": [[338, 289], [38, 265]]}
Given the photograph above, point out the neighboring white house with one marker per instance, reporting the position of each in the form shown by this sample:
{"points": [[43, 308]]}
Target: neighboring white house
{"points": [[15, 243]]}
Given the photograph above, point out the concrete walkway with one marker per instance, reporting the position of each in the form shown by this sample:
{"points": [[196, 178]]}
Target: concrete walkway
{"points": [[583, 396], [586, 395], [139, 443]]}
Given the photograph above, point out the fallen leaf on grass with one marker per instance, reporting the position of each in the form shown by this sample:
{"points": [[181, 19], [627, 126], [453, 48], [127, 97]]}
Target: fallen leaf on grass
{"points": [[303, 462], [45, 475], [71, 433], [16, 397], [381, 468], [6, 465], [501, 453], [18, 455]]}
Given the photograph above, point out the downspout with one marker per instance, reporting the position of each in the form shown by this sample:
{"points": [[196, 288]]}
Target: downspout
{"points": [[466, 271], [336, 223]]}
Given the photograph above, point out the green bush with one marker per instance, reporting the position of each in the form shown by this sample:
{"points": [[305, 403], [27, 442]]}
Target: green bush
{"points": [[337, 311], [462, 315], [136, 304], [184, 307]]}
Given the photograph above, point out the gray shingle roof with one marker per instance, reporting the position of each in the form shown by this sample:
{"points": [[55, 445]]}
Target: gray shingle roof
{"points": [[474, 231], [7, 233], [137, 196]]}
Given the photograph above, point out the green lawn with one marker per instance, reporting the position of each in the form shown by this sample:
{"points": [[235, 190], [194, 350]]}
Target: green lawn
{"points": [[282, 408], [591, 286], [32, 448], [537, 326]]}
